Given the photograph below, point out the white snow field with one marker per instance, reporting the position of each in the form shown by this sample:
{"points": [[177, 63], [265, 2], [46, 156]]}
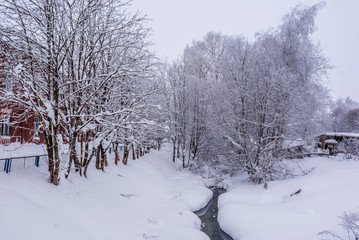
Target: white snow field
{"points": [[249, 212], [148, 199]]}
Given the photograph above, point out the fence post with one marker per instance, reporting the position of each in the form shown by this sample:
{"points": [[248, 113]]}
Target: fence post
{"points": [[37, 161], [7, 167]]}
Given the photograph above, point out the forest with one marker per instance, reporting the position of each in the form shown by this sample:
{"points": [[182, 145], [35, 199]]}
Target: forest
{"points": [[227, 104]]}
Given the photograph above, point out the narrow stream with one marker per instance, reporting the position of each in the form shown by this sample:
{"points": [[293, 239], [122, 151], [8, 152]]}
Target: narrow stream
{"points": [[208, 216]]}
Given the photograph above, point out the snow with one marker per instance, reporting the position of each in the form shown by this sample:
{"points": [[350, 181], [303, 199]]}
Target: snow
{"points": [[21, 150], [293, 143], [333, 141], [342, 134], [250, 212], [150, 198]]}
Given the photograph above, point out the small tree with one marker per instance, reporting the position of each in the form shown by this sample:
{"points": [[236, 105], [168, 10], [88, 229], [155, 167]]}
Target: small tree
{"points": [[350, 223]]}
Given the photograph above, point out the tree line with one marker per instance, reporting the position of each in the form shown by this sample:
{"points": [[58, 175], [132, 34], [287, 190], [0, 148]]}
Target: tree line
{"points": [[232, 99], [227, 102]]}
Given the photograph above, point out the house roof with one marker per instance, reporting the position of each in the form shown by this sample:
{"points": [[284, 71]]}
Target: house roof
{"points": [[341, 134]]}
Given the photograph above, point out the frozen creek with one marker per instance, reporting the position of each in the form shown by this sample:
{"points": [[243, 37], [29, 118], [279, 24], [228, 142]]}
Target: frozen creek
{"points": [[208, 216]]}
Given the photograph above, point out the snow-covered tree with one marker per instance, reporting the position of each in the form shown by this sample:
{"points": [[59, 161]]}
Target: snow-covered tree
{"points": [[85, 71], [343, 115], [252, 97]]}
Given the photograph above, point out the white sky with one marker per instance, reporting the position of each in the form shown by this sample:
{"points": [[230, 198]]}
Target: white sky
{"points": [[176, 23]]}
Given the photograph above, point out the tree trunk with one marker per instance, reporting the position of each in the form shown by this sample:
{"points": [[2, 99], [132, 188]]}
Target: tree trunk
{"points": [[103, 158], [55, 179], [55, 140], [50, 155], [98, 155], [159, 144], [73, 156], [138, 152], [85, 159], [81, 150], [125, 154], [133, 152], [174, 150], [88, 162], [183, 161], [141, 151], [116, 158], [115, 149], [69, 167]]}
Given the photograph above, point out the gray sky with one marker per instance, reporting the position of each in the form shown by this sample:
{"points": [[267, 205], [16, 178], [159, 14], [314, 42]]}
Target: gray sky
{"points": [[176, 23]]}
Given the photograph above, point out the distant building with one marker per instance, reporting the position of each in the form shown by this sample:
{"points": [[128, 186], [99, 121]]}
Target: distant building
{"points": [[330, 140]]}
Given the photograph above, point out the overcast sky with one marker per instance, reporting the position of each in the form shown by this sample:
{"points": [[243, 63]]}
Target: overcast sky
{"points": [[176, 23]]}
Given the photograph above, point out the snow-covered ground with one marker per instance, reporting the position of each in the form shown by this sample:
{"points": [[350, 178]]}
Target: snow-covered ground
{"points": [[250, 212], [148, 199], [152, 199]]}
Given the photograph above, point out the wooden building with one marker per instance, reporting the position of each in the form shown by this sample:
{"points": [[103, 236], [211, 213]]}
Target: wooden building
{"points": [[330, 140], [17, 124]]}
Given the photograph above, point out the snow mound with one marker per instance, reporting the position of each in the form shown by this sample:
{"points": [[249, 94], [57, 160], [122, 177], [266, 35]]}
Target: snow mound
{"points": [[295, 209]]}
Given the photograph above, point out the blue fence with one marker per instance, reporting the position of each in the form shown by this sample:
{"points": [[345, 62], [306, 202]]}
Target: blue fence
{"points": [[7, 166], [9, 161]]}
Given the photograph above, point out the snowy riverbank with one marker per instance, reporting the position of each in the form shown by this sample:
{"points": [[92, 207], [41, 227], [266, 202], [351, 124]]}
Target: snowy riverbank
{"points": [[152, 199], [148, 199], [249, 212]]}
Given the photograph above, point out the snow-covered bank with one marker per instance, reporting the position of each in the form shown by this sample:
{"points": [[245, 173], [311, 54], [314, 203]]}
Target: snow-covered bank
{"points": [[249, 212], [20, 150], [148, 199]]}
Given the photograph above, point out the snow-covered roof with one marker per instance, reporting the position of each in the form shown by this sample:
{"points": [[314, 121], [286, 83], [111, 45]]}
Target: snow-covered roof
{"points": [[331, 141], [342, 134]]}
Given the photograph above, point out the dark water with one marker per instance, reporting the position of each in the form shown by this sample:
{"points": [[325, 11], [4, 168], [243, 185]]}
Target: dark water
{"points": [[208, 216]]}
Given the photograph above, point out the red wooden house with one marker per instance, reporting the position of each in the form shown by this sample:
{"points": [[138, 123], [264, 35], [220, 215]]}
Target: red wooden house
{"points": [[17, 124], [17, 128]]}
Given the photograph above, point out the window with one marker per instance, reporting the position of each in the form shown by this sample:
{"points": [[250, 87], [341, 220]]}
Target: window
{"points": [[5, 120], [7, 82], [36, 127]]}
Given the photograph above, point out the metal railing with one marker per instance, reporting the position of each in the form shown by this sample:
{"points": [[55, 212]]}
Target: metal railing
{"points": [[8, 161]]}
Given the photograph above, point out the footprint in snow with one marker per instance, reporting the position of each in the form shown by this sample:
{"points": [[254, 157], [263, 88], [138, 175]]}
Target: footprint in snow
{"points": [[152, 220], [127, 195], [148, 236]]}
